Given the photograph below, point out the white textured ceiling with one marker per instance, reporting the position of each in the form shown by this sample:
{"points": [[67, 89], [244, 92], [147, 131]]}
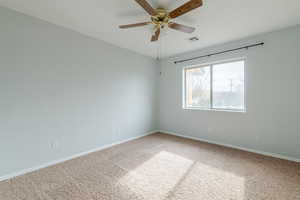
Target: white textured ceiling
{"points": [[217, 21]]}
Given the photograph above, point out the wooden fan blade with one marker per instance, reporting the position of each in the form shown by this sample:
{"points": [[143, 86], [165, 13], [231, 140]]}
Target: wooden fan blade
{"points": [[156, 35], [134, 25], [182, 28], [192, 4], [144, 4]]}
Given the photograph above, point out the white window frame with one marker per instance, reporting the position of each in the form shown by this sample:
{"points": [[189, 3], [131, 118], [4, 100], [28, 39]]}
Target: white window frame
{"points": [[210, 65]]}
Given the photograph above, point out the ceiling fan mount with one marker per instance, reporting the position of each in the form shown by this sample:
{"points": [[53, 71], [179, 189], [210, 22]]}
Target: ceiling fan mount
{"points": [[161, 18]]}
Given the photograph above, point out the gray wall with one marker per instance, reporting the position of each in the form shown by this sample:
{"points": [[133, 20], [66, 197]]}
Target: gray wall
{"points": [[271, 123], [62, 93]]}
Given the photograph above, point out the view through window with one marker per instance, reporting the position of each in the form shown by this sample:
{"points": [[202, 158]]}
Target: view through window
{"points": [[216, 86]]}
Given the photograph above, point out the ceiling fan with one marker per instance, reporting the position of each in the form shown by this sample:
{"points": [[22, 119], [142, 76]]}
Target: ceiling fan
{"points": [[161, 18]]}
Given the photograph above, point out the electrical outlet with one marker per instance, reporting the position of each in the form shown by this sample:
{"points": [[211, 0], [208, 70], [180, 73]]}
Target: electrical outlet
{"points": [[54, 145]]}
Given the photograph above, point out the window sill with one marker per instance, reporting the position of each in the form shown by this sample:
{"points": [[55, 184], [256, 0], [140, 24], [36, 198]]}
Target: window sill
{"points": [[215, 110]]}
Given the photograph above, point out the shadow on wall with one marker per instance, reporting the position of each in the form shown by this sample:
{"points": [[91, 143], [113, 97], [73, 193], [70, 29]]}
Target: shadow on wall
{"points": [[162, 167]]}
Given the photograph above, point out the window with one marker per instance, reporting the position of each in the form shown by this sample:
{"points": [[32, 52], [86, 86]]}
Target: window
{"points": [[216, 86]]}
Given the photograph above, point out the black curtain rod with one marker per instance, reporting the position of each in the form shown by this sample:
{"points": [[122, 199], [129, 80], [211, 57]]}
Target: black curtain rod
{"points": [[221, 52]]}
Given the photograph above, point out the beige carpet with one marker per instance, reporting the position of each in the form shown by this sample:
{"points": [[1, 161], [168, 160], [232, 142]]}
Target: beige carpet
{"points": [[161, 167]]}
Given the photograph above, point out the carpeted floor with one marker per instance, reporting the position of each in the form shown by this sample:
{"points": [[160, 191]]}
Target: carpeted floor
{"points": [[161, 167]]}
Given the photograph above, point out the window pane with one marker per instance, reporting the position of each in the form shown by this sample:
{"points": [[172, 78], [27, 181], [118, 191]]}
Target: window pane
{"points": [[198, 87], [228, 85]]}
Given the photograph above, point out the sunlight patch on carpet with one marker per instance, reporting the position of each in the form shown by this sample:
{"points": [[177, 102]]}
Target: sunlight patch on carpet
{"points": [[168, 175], [157, 176]]}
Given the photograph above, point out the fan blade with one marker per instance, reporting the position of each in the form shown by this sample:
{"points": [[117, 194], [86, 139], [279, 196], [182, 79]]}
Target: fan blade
{"points": [[192, 4], [156, 35], [144, 4], [182, 28], [134, 25]]}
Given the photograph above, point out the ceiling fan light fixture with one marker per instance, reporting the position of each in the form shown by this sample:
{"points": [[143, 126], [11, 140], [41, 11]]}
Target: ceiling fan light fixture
{"points": [[161, 17]]}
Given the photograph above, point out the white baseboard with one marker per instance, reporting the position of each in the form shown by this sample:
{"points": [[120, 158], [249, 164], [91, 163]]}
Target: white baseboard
{"points": [[233, 146], [25, 171]]}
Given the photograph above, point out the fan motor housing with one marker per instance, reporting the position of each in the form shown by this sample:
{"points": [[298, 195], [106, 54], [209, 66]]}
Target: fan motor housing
{"points": [[161, 18]]}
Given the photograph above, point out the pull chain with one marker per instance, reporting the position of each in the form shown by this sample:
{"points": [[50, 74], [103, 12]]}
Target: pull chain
{"points": [[159, 49]]}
